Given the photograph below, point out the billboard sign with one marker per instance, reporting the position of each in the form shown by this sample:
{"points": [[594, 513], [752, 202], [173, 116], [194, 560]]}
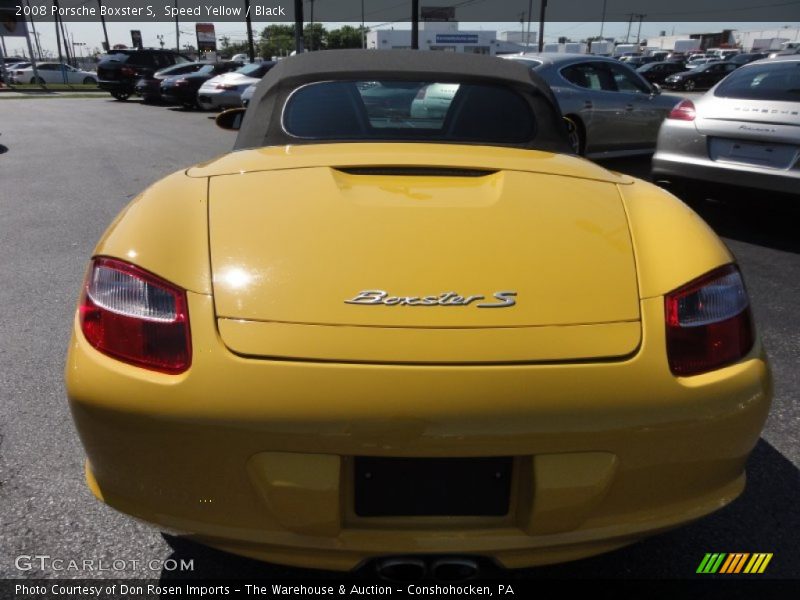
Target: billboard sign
{"points": [[206, 38]]}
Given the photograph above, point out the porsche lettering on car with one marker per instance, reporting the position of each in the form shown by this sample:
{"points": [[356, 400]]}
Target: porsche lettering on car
{"points": [[284, 351]]}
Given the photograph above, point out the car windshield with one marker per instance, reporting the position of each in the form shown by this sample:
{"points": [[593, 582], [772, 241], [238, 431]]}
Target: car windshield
{"points": [[207, 70], [252, 70], [410, 111], [115, 56], [776, 81]]}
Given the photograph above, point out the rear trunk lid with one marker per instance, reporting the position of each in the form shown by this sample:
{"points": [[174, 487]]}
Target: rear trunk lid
{"points": [[756, 132], [400, 257]]}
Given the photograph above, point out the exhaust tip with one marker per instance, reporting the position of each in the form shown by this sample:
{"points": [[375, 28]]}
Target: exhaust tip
{"points": [[401, 570], [452, 570]]}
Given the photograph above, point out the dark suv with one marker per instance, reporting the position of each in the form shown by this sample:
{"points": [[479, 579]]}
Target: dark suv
{"points": [[119, 70]]}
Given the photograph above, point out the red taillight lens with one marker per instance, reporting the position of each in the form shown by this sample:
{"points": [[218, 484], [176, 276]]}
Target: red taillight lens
{"points": [[683, 111], [708, 323], [127, 71], [136, 317]]}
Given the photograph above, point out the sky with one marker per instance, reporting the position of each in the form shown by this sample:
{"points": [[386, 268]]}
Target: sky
{"points": [[91, 34]]}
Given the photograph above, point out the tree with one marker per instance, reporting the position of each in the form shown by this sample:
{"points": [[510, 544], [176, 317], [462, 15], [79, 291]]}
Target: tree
{"points": [[346, 37], [276, 40], [314, 36]]}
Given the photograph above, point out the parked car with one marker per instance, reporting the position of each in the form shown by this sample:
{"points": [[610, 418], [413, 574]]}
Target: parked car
{"points": [[226, 90], [634, 62], [699, 62], [743, 59], [50, 72], [657, 72], [7, 72], [149, 86], [247, 95], [315, 357], [744, 132], [182, 89], [703, 77], [119, 70], [611, 109]]}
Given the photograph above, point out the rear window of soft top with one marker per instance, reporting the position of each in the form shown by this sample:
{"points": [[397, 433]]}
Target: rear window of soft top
{"points": [[389, 110]]}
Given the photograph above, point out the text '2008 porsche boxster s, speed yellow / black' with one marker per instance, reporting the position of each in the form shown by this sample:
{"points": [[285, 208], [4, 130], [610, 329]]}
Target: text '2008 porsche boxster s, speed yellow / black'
{"points": [[402, 319]]}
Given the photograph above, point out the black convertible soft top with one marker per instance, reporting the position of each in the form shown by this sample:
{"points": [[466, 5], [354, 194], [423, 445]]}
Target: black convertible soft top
{"points": [[262, 122]]}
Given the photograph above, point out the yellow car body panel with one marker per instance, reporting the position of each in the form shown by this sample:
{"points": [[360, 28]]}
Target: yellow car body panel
{"points": [[402, 154], [252, 449]]}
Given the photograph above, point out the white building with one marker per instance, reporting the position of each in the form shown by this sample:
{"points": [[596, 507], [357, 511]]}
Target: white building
{"points": [[445, 36], [766, 39]]}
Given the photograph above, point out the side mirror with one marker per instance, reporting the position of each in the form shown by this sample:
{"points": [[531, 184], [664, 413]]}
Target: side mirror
{"points": [[656, 89], [230, 120]]}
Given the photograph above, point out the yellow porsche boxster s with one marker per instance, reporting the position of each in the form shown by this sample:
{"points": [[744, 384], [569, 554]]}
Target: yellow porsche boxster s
{"points": [[401, 321]]}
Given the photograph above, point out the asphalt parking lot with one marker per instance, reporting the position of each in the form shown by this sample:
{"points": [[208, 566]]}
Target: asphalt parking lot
{"points": [[67, 166]]}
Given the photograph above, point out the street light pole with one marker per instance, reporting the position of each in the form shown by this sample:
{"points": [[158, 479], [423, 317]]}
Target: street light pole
{"points": [[415, 24], [103, 21], [250, 50], [298, 26], [541, 24]]}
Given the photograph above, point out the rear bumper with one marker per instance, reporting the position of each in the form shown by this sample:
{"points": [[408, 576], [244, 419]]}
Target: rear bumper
{"points": [[682, 154], [219, 99], [116, 86], [256, 456], [179, 96]]}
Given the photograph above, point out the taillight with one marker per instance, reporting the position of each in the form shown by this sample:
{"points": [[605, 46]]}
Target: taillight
{"points": [[226, 86], [683, 111], [128, 71], [708, 323], [136, 317]]}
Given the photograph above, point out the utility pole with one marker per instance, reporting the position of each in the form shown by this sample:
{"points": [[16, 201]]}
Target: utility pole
{"points": [[363, 33], [177, 30], [542, 9], [639, 32], [415, 24], [58, 43], [250, 49], [103, 21], [35, 35], [528, 34], [603, 20], [630, 20]]}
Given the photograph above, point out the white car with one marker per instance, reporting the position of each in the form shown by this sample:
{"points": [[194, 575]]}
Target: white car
{"points": [[226, 90], [52, 73]]}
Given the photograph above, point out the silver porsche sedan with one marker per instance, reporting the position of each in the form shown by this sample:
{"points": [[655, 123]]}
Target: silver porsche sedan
{"points": [[611, 110], [745, 131]]}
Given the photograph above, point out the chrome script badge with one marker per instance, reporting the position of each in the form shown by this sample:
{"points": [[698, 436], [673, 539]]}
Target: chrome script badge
{"points": [[376, 297]]}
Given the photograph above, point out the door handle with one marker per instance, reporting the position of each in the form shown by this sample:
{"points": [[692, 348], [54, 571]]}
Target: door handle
{"points": [[628, 107], [587, 104]]}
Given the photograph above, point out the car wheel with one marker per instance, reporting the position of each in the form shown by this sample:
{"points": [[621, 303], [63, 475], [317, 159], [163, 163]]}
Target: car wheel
{"points": [[689, 85], [577, 137], [89, 81], [121, 96]]}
